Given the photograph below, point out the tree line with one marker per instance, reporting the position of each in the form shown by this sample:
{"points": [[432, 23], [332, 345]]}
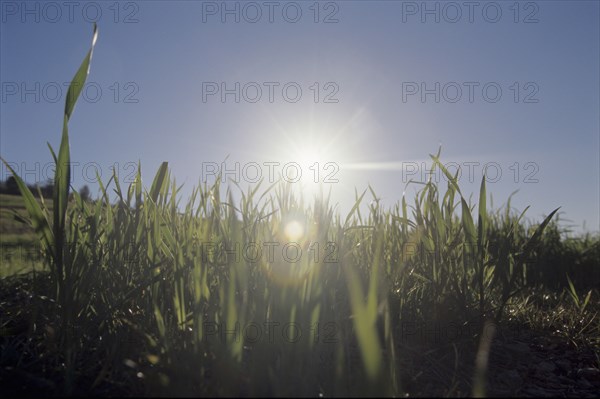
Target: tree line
{"points": [[9, 186]]}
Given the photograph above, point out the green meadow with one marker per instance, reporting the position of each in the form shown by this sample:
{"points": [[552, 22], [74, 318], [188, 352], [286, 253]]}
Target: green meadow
{"points": [[153, 294]]}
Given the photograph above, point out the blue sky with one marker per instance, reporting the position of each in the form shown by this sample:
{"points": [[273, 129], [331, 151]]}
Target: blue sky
{"points": [[155, 62]]}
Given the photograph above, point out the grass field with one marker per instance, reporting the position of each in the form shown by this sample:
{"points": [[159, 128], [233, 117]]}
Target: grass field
{"points": [[12, 230], [280, 295], [19, 246]]}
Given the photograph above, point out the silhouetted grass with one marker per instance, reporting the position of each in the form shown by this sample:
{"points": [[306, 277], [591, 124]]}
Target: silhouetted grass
{"points": [[148, 295]]}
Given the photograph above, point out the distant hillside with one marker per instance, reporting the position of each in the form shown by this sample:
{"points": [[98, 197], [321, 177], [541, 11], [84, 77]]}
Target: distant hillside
{"points": [[13, 230]]}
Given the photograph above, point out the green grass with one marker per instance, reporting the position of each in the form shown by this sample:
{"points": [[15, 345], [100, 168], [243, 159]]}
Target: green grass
{"points": [[18, 240], [134, 301], [13, 230]]}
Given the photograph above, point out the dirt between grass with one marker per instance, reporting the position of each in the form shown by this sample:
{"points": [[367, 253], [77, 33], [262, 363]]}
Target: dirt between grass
{"points": [[433, 361], [522, 362]]}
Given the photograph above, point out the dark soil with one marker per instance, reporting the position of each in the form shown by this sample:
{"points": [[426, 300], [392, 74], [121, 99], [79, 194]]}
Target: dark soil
{"points": [[434, 359]]}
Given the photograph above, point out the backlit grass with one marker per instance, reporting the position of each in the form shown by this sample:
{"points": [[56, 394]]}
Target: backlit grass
{"points": [[211, 297]]}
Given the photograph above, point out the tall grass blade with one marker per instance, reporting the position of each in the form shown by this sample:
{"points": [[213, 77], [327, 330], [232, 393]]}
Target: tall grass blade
{"points": [[160, 180]]}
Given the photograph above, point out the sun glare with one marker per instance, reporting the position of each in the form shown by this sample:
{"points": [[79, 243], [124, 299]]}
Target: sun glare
{"points": [[310, 153], [294, 231], [318, 164], [307, 154]]}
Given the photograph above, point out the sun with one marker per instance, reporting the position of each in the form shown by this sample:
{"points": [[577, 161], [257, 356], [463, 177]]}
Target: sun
{"points": [[307, 154], [310, 153], [317, 164]]}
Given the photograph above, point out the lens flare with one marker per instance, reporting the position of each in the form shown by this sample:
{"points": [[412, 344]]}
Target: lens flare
{"points": [[293, 231]]}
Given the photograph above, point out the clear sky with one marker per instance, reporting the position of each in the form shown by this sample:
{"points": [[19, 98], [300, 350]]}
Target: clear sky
{"points": [[366, 88]]}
